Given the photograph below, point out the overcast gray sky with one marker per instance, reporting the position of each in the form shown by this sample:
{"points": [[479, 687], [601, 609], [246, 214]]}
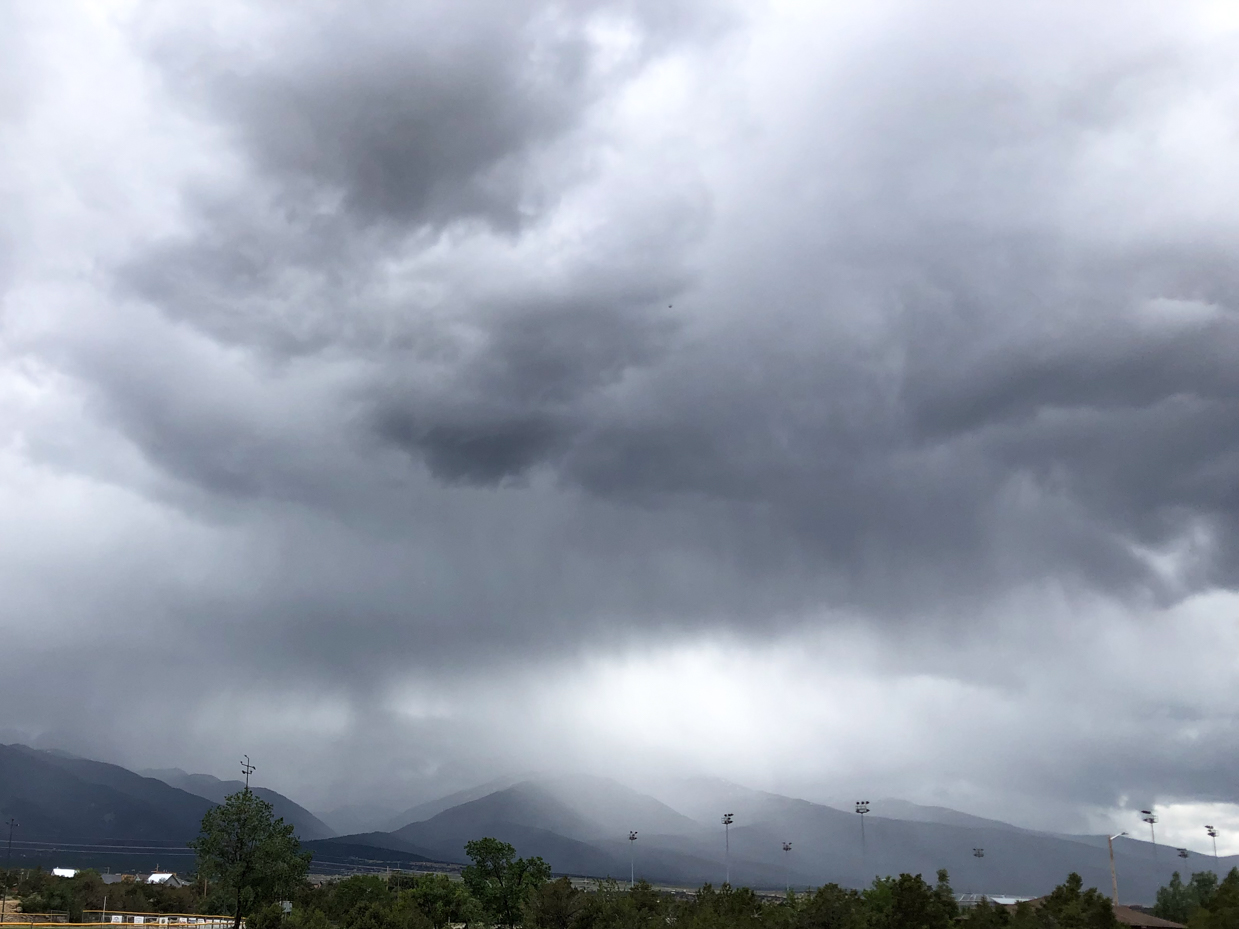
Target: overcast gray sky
{"points": [[831, 397]]}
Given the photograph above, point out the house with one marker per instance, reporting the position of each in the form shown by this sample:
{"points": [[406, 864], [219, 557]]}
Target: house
{"points": [[166, 879], [64, 872]]}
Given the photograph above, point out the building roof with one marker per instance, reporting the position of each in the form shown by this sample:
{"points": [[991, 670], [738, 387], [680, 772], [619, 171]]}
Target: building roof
{"points": [[64, 872], [1129, 917]]}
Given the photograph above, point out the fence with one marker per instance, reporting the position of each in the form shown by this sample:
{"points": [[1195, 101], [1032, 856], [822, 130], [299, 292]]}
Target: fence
{"points": [[17, 921], [101, 919]]}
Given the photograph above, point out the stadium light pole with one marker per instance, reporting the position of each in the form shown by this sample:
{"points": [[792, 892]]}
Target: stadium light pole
{"points": [[1114, 878], [1213, 835], [787, 847], [728, 819], [862, 807], [632, 858], [248, 769], [1150, 817]]}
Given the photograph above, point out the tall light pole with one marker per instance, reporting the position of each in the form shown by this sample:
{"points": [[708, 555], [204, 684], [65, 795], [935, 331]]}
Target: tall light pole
{"points": [[728, 819], [1213, 835], [248, 769], [787, 847], [1114, 878], [1150, 817], [632, 858], [862, 807]]}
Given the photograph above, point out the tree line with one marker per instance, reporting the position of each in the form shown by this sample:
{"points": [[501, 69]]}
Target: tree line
{"points": [[250, 864]]}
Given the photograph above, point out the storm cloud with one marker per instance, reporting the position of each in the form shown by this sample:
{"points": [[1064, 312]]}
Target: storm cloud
{"points": [[390, 369]]}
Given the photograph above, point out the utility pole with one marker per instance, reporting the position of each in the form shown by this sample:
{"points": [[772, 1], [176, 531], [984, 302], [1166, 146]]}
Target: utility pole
{"points": [[787, 847], [1213, 835], [862, 807], [632, 858], [1150, 817], [728, 819], [248, 769], [1114, 878]]}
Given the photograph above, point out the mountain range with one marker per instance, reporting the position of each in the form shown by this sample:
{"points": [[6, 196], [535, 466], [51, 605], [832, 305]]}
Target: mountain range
{"points": [[580, 825], [77, 812], [306, 824]]}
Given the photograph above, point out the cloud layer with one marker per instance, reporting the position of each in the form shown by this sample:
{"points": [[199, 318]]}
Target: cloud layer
{"points": [[359, 364]]}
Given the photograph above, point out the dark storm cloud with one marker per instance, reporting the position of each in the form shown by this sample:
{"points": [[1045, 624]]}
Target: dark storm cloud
{"points": [[928, 384]]}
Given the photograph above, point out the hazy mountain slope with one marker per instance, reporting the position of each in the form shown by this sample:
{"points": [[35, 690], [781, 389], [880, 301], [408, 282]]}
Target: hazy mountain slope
{"points": [[526, 815], [524, 804], [307, 825], [423, 811], [55, 797], [613, 809], [362, 817], [915, 812]]}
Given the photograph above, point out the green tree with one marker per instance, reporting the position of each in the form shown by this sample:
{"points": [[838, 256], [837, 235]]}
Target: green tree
{"points": [[1177, 901], [1204, 885], [986, 915], [500, 881], [439, 898], [246, 850], [725, 908], [831, 907], [907, 902], [1068, 907], [1221, 910], [554, 905]]}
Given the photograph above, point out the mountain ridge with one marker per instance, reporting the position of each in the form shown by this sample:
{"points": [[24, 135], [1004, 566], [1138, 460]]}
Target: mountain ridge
{"points": [[306, 824]]}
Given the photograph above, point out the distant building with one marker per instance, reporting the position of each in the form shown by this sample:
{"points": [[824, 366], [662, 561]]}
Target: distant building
{"points": [[970, 900], [166, 879], [64, 872]]}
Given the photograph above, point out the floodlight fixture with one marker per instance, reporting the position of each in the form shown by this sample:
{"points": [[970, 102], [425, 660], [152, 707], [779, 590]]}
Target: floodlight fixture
{"points": [[978, 853], [1150, 817], [1183, 853], [862, 807]]}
